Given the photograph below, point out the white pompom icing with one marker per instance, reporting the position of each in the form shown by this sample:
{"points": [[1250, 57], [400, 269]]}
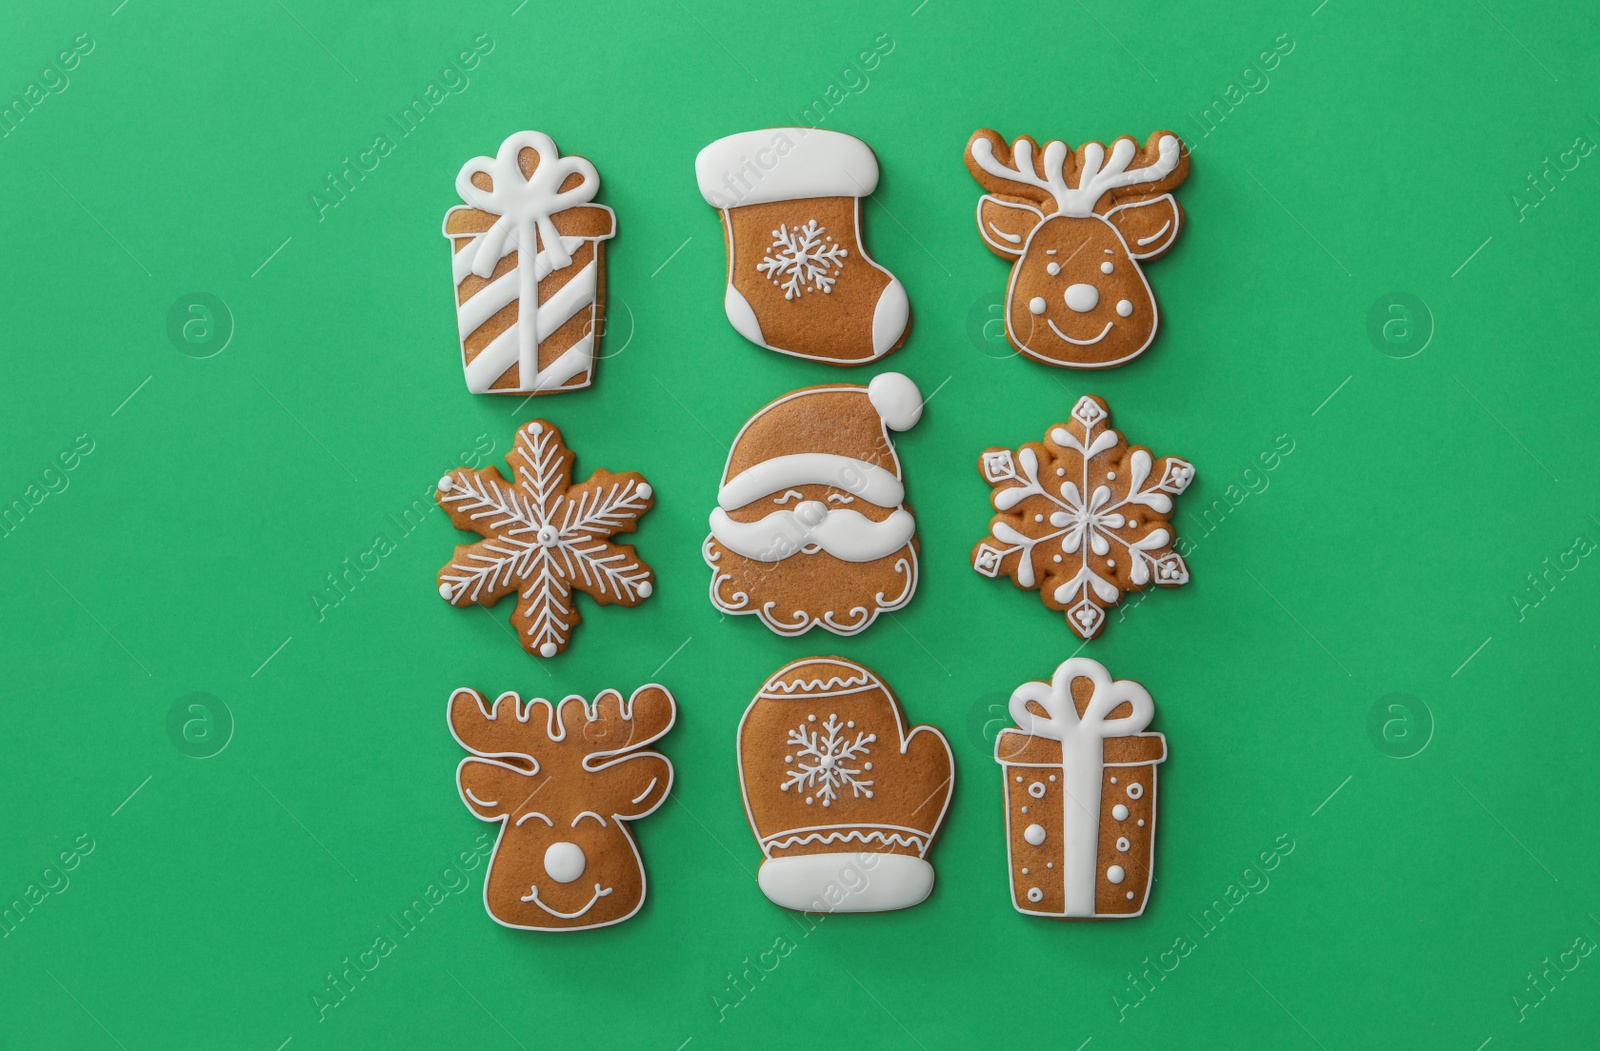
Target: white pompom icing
{"points": [[897, 400]]}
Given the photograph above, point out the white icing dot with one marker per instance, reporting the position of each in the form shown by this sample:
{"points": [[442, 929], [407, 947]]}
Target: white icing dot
{"points": [[445, 483], [1135, 790], [1111, 476], [1052, 777], [644, 491], [1019, 776], [1106, 267], [1141, 822], [646, 589], [1119, 811], [1024, 810], [813, 718], [1130, 895], [1049, 864], [1037, 790], [1061, 472], [1133, 523], [1122, 844], [866, 766], [787, 759], [536, 427], [1053, 269], [1035, 895], [1038, 518], [1111, 563], [808, 800], [1115, 874], [1081, 298], [547, 650], [1034, 834], [1058, 558], [444, 592], [1124, 308], [1024, 872], [1113, 780], [1037, 304]]}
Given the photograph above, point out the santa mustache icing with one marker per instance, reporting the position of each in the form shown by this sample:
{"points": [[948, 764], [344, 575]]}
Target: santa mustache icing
{"points": [[811, 527]]}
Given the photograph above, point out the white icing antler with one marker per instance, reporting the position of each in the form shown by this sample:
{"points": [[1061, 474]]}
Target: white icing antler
{"points": [[1096, 177]]}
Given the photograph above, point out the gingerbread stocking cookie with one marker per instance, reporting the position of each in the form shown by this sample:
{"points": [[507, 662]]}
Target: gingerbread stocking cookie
{"points": [[811, 526], [799, 279]]}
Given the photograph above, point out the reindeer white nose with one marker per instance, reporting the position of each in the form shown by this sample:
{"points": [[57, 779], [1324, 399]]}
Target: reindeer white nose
{"points": [[811, 511], [1081, 298], [564, 861]]}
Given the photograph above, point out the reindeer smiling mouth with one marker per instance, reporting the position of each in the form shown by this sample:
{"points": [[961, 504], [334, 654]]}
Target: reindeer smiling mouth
{"points": [[533, 896], [1078, 342]]}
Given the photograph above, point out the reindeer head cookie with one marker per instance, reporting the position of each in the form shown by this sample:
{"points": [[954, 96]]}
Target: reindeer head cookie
{"points": [[562, 780], [1077, 225]]}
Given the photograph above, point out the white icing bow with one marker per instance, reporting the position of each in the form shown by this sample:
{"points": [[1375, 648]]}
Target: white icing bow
{"points": [[525, 204], [1061, 721]]}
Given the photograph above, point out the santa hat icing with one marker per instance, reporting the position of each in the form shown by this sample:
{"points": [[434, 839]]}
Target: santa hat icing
{"points": [[842, 440], [844, 800]]}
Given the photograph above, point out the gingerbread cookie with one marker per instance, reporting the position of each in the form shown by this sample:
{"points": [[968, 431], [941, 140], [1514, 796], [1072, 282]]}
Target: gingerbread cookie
{"points": [[563, 781], [844, 801], [1077, 225], [528, 251], [811, 526], [1082, 517], [543, 537], [1080, 781], [799, 278]]}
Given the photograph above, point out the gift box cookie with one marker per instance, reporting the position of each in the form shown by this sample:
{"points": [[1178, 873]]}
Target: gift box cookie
{"points": [[1080, 780], [528, 254], [843, 797]]}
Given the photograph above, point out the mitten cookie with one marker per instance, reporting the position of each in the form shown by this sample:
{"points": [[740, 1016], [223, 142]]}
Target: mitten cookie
{"points": [[543, 537], [1083, 517], [844, 801], [1080, 780], [562, 781], [528, 251], [1077, 226], [811, 526], [799, 279]]}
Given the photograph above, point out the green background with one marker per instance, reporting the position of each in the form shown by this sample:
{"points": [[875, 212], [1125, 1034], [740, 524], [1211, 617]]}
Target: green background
{"points": [[1389, 553]]}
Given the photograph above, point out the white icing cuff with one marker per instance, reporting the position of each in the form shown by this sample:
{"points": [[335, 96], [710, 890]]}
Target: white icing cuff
{"points": [[851, 882], [784, 164]]}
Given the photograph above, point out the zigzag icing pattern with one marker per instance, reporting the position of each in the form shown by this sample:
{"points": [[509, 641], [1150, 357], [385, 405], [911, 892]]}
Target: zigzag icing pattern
{"points": [[888, 838], [816, 685]]}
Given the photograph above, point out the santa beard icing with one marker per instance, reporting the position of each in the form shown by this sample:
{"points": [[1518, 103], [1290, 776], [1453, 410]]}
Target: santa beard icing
{"points": [[813, 532]]}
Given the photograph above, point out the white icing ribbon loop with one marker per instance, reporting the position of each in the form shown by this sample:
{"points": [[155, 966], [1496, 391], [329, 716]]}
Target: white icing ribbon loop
{"points": [[525, 205]]}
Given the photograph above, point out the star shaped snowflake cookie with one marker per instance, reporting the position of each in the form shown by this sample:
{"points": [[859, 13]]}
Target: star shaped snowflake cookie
{"points": [[1083, 517], [544, 537]]}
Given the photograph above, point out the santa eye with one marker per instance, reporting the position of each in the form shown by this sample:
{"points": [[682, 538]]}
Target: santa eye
{"points": [[791, 494], [841, 498]]}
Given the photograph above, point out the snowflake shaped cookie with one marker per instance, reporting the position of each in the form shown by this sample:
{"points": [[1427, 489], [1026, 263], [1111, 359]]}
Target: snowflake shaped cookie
{"points": [[543, 537], [803, 259], [827, 760], [1083, 517]]}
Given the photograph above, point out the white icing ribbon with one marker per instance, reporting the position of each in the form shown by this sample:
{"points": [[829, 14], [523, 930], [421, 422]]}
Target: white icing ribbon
{"points": [[1082, 758], [526, 206]]}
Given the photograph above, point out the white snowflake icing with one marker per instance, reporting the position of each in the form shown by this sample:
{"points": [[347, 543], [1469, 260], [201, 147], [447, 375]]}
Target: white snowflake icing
{"points": [[800, 260], [827, 760]]}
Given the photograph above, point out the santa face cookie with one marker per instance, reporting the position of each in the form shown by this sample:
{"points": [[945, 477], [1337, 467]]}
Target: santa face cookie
{"points": [[811, 526], [528, 250], [844, 800], [562, 781], [544, 538], [1076, 227], [1083, 517], [1080, 794], [799, 278]]}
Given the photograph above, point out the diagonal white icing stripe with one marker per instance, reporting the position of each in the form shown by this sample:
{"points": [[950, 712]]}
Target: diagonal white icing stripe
{"points": [[492, 362], [490, 300], [568, 300], [462, 261], [501, 354]]}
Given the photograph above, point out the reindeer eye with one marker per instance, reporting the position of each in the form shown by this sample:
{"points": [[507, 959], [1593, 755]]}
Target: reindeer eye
{"points": [[791, 494], [1053, 269], [588, 813], [535, 813], [1106, 267], [841, 498]]}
